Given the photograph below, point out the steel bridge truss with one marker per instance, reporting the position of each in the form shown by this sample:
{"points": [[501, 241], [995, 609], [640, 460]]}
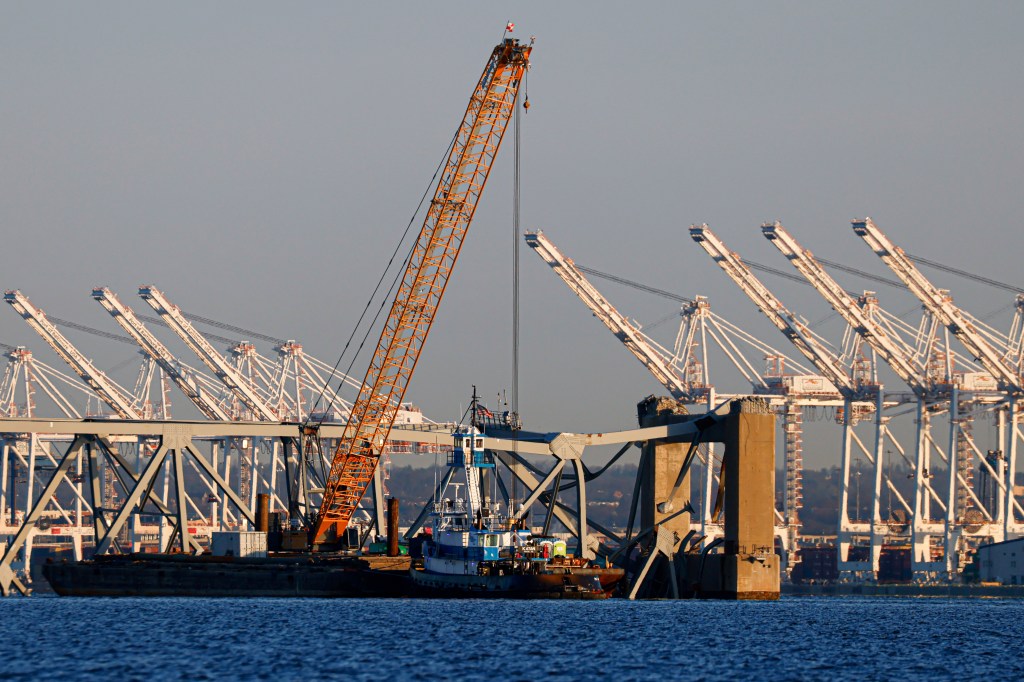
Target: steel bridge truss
{"points": [[111, 492]]}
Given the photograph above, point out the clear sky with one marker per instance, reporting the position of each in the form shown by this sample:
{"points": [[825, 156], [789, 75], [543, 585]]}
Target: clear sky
{"points": [[258, 161]]}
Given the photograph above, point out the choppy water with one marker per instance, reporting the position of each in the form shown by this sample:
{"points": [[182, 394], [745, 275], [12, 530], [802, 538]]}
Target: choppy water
{"points": [[47, 637]]}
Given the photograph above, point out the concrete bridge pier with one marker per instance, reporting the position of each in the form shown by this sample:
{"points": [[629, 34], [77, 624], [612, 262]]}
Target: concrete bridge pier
{"points": [[744, 565]]}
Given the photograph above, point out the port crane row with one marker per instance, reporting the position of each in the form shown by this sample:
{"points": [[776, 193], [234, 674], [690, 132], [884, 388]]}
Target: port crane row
{"points": [[684, 373], [327, 468], [942, 381]]}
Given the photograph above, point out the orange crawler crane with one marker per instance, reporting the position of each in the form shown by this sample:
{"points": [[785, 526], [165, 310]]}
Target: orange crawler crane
{"points": [[423, 283]]}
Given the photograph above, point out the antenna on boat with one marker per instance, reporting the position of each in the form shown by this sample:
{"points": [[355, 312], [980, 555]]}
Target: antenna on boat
{"points": [[472, 409]]}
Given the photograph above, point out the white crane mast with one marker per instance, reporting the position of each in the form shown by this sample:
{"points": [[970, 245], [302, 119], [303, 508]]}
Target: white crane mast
{"points": [[116, 397], [797, 332], [156, 350], [939, 302], [892, 350], [657, 363], [207, 353]]}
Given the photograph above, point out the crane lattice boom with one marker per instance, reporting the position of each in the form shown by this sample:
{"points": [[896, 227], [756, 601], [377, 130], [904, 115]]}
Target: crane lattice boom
{"points": [[422, 285]]}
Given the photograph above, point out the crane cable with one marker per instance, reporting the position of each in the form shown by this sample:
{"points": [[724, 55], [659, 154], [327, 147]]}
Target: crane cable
{"points": [[516, 131], [514, 407], [384, 300]]}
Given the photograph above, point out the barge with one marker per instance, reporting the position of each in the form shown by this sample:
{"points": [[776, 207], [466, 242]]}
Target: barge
{"points": [[183, 575], [469, 550]]}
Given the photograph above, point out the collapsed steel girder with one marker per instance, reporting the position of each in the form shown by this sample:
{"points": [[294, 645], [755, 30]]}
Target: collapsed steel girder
{"points": [[92, 440]]}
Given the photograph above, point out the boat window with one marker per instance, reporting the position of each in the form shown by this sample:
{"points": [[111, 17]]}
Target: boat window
{"points": [[480, 443], [492, 540], [468, 443]]}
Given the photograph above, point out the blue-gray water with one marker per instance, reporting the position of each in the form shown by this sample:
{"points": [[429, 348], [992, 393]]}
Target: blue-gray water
{"points": [[798, 638]]}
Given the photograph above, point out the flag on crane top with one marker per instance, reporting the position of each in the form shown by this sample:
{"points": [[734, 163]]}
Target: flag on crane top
{"points": [[509, 27]]}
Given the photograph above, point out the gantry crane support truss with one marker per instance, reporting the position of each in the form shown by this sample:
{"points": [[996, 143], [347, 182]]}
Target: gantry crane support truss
{"points": [[423, 283]]}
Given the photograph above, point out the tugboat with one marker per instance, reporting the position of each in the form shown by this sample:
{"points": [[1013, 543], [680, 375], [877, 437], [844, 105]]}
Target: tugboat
{"points": [[475, 551]]}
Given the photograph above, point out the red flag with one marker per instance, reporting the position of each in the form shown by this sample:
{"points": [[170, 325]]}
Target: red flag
{"points": [[509, 27]]}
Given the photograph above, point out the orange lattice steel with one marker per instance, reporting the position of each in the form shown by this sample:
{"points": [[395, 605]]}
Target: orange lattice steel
{"points": [[423, 284]]}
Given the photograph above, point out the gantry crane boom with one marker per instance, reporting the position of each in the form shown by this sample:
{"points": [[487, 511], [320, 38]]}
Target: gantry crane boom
{"points": [[207, 353], [423, 283], [655, 362], [939, 302], [106, 389], [892, 350], [794, 330], [152, 346]]}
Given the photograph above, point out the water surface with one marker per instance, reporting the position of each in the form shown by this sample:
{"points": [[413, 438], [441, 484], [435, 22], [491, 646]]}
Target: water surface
{"points": [[851, 638]]}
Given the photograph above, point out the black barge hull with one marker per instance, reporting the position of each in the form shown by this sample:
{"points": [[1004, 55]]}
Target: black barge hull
{"points": [[180, 575], [141, 575]]}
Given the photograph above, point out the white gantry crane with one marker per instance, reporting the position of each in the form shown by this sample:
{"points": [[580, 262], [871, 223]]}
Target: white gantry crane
{"points": [[687, 389], [25, 372], [684, 373], [231, 377], [974, 339], [113, 395], [156, 350], [940, 303], [793, 329], [858, 386], [29, 454], [240, 376], [911, 364], [656, 362]]}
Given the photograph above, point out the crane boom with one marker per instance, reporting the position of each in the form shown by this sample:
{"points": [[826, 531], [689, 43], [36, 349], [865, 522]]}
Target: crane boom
{"points": [[423, 283], [106, 389], [892, 350], [152, 346], [627, 333], [794, 330], [207, 353], [939, 302]]}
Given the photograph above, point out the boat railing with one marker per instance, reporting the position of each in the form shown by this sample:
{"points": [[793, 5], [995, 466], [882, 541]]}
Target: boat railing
{"points": [[453, 519]]}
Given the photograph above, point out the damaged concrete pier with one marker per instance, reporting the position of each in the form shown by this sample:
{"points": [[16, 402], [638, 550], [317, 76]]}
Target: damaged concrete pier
{"points": [[741, 565]]}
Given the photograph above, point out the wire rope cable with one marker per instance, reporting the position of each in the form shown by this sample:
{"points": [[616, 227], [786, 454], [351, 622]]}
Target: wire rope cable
{"points": [[369, 303]]}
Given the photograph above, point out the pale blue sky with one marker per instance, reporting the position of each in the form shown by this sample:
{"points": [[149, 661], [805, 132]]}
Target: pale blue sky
{"points": [[257, 161]]}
